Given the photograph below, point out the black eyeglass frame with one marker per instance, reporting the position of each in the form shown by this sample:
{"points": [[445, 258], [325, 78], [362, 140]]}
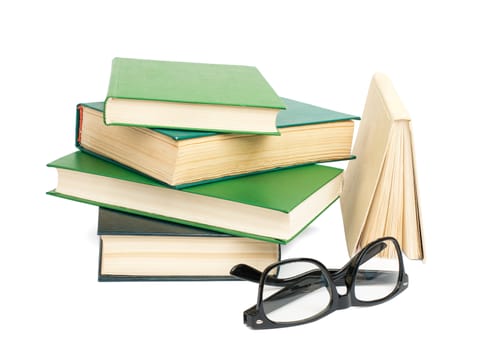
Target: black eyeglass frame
{"points": [[255, 317]]}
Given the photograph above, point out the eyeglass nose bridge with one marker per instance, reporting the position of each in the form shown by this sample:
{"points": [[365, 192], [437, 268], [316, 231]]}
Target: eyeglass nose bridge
{"points": [[344, 302]]}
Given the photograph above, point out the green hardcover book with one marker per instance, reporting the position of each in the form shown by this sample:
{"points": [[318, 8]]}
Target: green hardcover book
{"points": [[179, 158], [137, 248], [273, 206], [193, 96]]}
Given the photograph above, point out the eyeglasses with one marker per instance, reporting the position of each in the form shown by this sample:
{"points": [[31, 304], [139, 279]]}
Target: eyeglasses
{"points": [[298, 291]]}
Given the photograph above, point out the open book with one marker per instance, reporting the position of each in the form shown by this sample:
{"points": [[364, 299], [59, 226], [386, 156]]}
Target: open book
{"points": [[380, 196]]}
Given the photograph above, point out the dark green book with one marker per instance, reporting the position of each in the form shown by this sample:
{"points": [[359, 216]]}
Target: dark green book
{"points": [[193, 96], [137, 248], [274, 206], [309, 134]]}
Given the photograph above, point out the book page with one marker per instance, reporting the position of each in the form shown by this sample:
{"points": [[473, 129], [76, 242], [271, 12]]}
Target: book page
{"points": [[394, 217], [361, 179], [411, 242], [394, 208], [380, 216]]}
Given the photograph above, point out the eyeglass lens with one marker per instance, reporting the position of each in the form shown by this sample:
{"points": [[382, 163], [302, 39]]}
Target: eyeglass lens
{"points": [[305, 296], [377, 276]]}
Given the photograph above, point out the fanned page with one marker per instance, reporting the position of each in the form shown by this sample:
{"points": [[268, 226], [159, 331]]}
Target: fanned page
{"points": [[394, 209], [380, 190], [390, 203], [380, 219], [394, 221], [361, 178]]}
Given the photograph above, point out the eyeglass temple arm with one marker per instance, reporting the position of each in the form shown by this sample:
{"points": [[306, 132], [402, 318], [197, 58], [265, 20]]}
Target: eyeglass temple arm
{"points": [[246, 272], [251, 274]]}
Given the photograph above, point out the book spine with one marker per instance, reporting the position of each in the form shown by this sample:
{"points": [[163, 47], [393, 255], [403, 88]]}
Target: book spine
{"points": [[78, 125], [99, 272]]}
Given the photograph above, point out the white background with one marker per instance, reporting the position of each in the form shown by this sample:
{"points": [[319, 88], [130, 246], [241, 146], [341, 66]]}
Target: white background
{"points": [[56, 54]]}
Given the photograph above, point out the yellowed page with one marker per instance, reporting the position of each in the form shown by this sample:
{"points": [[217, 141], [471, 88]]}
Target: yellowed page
{"points": [[361, 178]]}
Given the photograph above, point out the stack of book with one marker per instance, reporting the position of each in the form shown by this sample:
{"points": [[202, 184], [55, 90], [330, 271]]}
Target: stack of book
{"points": [[198, 167]]}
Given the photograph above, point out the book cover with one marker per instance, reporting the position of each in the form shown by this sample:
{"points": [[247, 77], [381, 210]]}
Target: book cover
{"points": [[180, 94], [380, 197], [274, 206], [137, 248]]}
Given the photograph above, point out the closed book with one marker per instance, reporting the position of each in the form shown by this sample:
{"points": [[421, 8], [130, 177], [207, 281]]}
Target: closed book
{"points": [[193, 96], [273, 206], [134, 247], [308, 134]]}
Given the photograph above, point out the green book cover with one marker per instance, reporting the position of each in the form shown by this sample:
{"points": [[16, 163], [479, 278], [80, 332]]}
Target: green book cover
{"points": [[186, 82], [278, 191], [296, 114]]}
